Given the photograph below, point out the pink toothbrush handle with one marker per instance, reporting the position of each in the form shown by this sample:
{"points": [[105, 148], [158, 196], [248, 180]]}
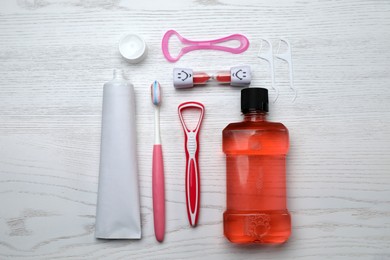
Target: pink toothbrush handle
{"points": [[158, 193]]}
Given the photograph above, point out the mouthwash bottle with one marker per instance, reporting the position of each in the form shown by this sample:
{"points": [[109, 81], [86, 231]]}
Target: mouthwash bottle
{"points": [[256, 150]]}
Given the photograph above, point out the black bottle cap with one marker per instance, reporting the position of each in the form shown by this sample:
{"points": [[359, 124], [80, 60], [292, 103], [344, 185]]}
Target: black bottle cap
{"points": [[254, 99]]}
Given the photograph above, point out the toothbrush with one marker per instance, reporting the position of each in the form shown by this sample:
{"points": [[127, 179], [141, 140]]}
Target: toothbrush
{"points": [[158, 168]]}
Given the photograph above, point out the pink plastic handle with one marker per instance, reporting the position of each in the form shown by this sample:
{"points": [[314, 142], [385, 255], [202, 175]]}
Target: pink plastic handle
{"points": [[205, 45], [158, 193], [192, 166]]}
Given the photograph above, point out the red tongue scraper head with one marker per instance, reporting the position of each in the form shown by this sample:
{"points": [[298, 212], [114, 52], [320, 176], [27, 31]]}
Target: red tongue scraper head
{"points": [[191, 147], [239, 76]]}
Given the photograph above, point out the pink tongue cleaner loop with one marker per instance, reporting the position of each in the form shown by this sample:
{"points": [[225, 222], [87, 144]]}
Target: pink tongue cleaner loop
{"points": [[205, 45]]}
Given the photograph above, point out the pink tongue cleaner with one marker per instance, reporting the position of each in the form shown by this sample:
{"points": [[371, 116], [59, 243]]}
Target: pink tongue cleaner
{"points": [[205, 45]]}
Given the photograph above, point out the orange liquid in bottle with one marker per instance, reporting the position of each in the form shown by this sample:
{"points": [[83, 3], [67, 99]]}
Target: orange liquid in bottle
{"points": [[256, 180]]}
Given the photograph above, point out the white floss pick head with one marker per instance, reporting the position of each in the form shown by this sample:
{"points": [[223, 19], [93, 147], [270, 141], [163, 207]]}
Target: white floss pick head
{"points": [[133, 48]]}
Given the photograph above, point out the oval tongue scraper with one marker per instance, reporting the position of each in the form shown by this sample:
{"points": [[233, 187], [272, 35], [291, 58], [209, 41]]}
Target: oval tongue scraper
{"points": [[192, 168], [202, 45]]}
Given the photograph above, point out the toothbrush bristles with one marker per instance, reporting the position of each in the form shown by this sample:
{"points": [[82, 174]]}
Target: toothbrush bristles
{"points": [[155, 90]]}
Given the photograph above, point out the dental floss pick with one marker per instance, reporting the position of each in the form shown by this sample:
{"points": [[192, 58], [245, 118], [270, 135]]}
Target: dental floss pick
{"points": [[287, 57]]}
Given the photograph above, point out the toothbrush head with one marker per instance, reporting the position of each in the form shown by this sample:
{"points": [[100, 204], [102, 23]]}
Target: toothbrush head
{"points": [[155, 90]]}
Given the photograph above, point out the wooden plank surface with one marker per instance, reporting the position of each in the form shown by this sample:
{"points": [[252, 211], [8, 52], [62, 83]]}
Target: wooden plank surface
{"points": [[56, 55]]}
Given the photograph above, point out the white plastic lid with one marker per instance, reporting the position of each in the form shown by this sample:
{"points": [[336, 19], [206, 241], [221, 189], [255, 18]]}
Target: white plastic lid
{"points": [[133, 48]]}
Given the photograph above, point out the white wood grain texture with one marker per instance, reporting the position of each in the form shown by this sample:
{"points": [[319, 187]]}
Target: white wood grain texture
{"points": [[56, 55]]}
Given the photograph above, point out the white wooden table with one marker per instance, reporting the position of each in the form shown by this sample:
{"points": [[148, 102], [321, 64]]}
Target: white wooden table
{"points": [[56, 55]]}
